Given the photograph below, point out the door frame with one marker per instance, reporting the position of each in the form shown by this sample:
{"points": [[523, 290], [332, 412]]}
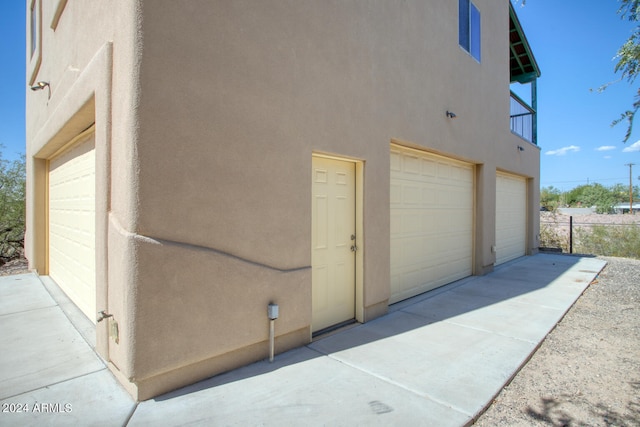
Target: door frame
{"points": [[360, 240]]}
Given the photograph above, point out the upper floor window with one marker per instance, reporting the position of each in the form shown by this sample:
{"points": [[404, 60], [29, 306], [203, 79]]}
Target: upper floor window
{"points": [[34, 40], [469, 28]]}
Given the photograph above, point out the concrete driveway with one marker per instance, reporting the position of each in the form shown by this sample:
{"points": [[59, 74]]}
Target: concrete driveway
{"points": [[436, 359]]}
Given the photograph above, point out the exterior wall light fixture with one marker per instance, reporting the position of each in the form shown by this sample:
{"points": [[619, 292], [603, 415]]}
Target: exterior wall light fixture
{"points": [[40, 86], [451, 114], [520, 148]]}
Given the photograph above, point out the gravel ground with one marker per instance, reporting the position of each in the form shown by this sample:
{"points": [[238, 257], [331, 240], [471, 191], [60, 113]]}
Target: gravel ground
{"points": [[605, 219], [587, 371], [15, 266]]}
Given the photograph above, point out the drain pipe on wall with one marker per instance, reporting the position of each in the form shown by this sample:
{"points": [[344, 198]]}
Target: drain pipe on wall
{"points": [[272, 312]]}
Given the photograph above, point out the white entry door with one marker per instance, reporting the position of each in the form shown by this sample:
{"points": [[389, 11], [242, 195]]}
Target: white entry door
{"points": [[333, 242]]}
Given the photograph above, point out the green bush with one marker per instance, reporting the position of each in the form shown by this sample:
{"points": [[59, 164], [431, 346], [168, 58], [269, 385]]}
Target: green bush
{"points": [[12, 208]]}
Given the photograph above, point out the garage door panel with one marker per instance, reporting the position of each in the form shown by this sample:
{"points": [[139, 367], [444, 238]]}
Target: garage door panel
{"points": [[411, 195], [412, 165], [72, 223], [396, 255], [396, 223], [395, 194], [429, 196], [429, 168], [511, 217], [411, 222], [426, 223], [431, 229], [412, 250]]}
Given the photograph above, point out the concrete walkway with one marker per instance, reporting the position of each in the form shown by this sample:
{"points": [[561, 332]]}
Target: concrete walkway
{"points": [[436, 359]]}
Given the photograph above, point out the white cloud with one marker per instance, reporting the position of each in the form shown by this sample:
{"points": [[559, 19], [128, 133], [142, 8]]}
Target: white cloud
{"points": [[606, 148], [607, 157], [562, 151], [633, 147]]}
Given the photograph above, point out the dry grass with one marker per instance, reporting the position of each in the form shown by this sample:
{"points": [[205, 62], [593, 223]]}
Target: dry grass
{"points": [[595, 234]]}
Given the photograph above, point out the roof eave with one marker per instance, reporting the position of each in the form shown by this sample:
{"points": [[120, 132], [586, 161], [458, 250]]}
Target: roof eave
{"points": [[523, 77]]}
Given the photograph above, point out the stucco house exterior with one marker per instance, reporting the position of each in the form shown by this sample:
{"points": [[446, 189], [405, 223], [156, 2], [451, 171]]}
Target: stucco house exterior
{"points": [[192, 161]]}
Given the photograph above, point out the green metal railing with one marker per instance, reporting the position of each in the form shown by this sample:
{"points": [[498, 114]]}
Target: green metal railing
{"points": [[523, 119]]}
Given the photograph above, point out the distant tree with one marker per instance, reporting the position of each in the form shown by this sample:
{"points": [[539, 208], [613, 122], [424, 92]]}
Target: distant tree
{"points": [[12, 208], [597, 195], [620, 193], [629, 62], [574, 196]]}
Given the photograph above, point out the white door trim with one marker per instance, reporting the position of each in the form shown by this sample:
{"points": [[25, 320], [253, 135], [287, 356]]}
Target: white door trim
{"points": [[359, 215]]}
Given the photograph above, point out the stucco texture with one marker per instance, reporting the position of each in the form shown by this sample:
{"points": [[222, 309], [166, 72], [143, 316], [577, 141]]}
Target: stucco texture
{"points": [[216, 108]]}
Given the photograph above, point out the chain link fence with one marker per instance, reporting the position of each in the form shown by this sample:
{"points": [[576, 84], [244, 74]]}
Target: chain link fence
{"points": [[606, 235]]}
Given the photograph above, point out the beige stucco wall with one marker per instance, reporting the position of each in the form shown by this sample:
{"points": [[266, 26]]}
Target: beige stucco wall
{"points": [[88, 56], [236, 96], [215, 110]]}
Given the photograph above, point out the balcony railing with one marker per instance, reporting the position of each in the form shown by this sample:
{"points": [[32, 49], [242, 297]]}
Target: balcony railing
{"points": [[522, 119]]}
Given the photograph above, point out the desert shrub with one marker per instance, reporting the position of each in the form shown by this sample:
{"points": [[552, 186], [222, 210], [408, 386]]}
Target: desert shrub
{"points": [[553, 234], [609, 240], [550, 237], [12, 208]]}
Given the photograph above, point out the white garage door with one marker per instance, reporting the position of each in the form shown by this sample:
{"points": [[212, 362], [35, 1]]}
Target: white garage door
{"points": [[72, 223], [511, 217], [432, 200]]}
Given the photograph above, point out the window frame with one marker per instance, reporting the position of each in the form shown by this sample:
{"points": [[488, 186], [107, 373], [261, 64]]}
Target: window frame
{"points": [[470, 28], [34, 39]]}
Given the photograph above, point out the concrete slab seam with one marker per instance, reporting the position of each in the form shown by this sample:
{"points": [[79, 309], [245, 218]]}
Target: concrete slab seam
{"points": [[133, 411], [54, 383], [27, 311], [491, 332], [320, 353], [401, 386]]}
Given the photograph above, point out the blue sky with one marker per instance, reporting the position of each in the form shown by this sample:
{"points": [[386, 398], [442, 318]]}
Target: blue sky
{"points": [[12, 73], [574, 42]]}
